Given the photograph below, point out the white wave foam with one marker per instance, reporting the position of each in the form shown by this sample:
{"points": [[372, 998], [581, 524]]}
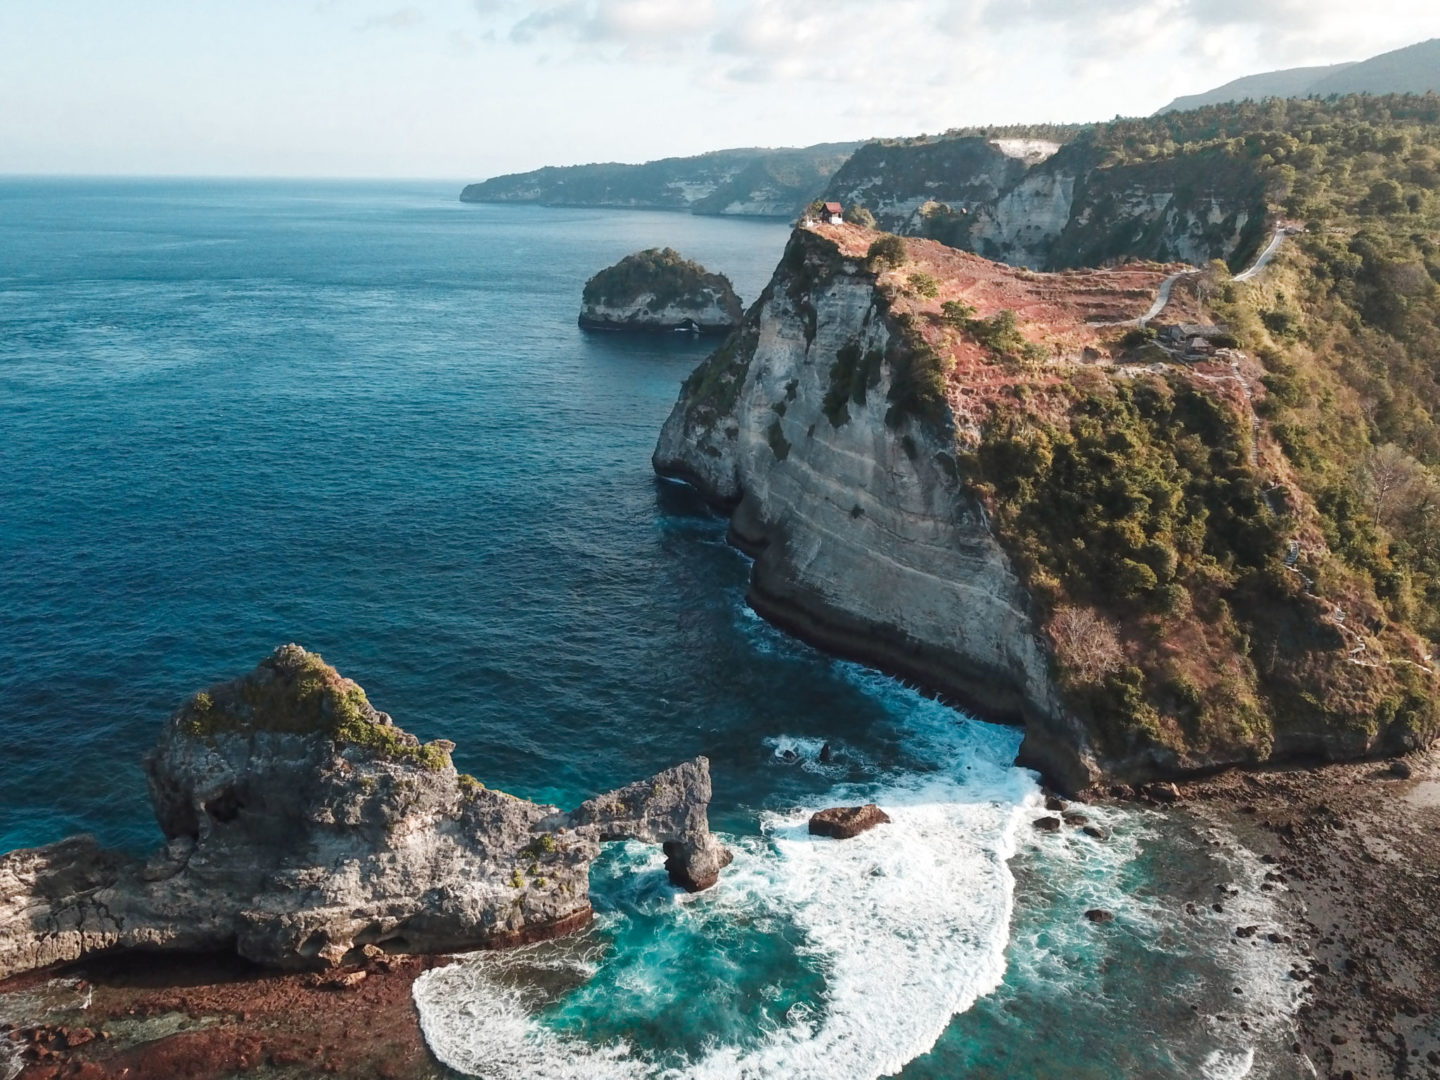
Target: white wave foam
{"points": [[910, 922], [1229, 1065]]}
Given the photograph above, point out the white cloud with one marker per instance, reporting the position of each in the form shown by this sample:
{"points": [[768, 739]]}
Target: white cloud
{"points": [[399, 19]]}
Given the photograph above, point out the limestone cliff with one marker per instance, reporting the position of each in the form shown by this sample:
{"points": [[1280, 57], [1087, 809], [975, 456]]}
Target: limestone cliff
{"points": [[864, 537], [1052, 207], [977, 478], [659, 290], [303, 826]]}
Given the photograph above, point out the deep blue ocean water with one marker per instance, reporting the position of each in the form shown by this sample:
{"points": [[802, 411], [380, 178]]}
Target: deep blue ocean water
{"points": [[361, 417]]}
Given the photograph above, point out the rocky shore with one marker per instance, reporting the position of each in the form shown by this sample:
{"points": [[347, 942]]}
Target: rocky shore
{"points": [[1355, 857], [306, 830]]}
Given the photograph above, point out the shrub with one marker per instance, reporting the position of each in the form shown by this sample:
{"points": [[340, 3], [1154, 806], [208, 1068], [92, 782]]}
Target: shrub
{"points": [[1086, 643], [888, 250], [925, 284], [858, 215]]}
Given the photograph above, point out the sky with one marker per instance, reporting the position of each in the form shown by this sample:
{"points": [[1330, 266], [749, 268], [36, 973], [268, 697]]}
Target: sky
{"points": [[465, 89]]}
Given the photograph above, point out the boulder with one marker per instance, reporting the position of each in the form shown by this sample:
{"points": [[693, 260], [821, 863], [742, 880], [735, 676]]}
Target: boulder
{"points": [[1047, 824], [305, 829], [1100, 915], [1400, 769], [843, 822]]}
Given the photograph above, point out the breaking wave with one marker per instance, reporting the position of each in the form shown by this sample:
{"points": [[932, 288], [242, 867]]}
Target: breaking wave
{"points": [[905, 926]]}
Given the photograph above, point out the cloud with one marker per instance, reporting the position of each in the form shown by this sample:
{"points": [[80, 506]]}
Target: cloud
{"points": [[399, 19], [957, 61]]}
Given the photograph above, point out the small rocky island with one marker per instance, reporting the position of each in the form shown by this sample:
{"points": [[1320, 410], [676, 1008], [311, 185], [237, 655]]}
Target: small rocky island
{"points": [[305, 829], [659, 290]]}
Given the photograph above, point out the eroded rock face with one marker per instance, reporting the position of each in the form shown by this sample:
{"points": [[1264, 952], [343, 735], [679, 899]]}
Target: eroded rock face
{"points": [[304, 825], [865, 540], [843, 822]]}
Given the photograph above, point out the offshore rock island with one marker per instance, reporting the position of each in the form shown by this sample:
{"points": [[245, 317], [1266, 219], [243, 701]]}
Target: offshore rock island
{"points": [[659, 290], [305, 830]]}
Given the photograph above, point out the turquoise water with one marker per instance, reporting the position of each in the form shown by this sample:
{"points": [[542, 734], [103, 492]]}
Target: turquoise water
{"points": [[361, 417]]}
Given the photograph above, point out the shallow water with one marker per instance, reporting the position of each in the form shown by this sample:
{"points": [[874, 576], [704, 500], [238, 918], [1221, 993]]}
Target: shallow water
{"points": [[361, 417]]}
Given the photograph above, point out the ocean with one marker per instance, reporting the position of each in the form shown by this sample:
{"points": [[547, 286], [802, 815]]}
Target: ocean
{"points": [[360, 416]]}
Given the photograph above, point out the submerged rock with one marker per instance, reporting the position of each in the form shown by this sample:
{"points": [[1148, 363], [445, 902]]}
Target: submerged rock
{"points": [[660, 290], [304, 828], [843, 822]]}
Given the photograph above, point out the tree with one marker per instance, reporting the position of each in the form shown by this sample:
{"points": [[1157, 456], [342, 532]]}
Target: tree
{"points": [[858, 215], [1086, 643], [888, 250]]}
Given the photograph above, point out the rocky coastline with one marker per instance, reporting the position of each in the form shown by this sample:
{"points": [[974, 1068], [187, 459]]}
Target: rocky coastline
{"points": [[861, 511], [305, 830]]}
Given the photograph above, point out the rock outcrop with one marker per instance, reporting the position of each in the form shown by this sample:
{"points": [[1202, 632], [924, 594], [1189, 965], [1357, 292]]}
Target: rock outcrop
{"points": [[864, 537], [303, 826], [659, 290], [843, 822]]}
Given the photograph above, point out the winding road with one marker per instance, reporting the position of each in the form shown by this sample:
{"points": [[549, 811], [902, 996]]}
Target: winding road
{"points": [[1266, 255], [1163, 296]]}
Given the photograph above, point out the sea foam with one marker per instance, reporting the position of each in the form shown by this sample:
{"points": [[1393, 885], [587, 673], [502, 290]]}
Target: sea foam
{"points": [[909, 923]]}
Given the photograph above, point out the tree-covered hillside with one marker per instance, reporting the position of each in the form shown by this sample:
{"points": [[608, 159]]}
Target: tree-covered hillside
{"points": [[1253, 558]]}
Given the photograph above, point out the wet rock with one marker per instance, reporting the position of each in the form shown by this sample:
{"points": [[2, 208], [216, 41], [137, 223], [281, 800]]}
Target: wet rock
{"points": [[1054, 803], [827, 754], [1400, 769], [843, 822], [1100, 915], [1246, 931], [1096, 832], [1047, 824], [1162, 793], [1075, 820]]}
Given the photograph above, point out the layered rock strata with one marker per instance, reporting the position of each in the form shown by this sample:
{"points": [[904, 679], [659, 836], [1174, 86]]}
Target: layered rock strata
{"points": [[865, 539], [303, 826]]}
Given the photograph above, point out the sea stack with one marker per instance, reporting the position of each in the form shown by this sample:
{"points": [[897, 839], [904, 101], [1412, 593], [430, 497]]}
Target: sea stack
{"points": [[659, 290], [304, 828]]}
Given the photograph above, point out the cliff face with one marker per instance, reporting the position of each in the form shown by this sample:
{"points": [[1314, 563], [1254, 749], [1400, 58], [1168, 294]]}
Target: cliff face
{"points": [[971, 476], [741, 183], [865, 540], [1048, 207], [304, 827]]}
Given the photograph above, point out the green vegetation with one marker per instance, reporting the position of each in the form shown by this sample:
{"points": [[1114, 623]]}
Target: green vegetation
{"points": [[888, 250], [851, 376], [856, 214], [926, 285], [664, 274], [297, 693], [999, 334], [469, 785], [714, 386], [1246, 607], [777, 182]]}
